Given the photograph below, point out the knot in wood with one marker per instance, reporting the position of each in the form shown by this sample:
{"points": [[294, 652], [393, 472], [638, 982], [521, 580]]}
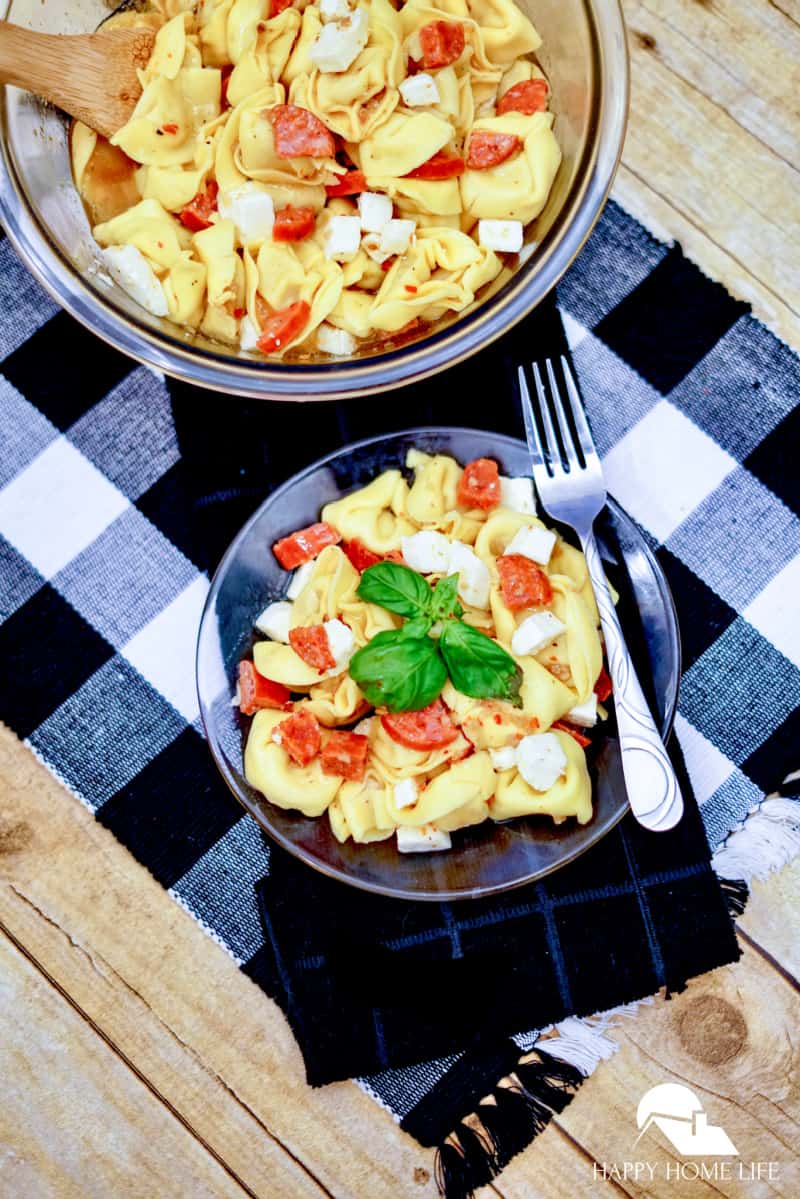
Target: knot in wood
{"points": [[711, 1029]]}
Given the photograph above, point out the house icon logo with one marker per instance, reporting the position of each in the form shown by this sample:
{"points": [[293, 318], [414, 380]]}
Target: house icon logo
{"points": [[679, 1114]]}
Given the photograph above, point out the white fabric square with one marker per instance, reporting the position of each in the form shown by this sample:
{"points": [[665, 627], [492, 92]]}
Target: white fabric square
{"points": [[663, 468], [708, 767], [774, 611], [574, 330], [163, 651], [57, 506]]}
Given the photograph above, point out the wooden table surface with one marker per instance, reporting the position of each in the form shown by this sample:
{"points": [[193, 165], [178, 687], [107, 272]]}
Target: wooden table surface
{"points": [[137, 1061]]}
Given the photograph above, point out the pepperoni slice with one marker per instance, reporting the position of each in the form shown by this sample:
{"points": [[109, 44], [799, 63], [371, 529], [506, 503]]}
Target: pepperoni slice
{"points": [[440, 166], [293, 224], [603, 687], [298, 133], [312, 645], [279, 328], [305, 544], [256, 692], [350, 184], [523, 584], [197, 213], [300, 737], [528, 97], [573, 731], [361, 557], [488, 149], [345, 754], [479, 486], [442, 43], [429, 728]]}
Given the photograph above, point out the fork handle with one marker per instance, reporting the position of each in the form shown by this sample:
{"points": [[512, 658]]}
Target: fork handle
{"points": [[653, 789]]}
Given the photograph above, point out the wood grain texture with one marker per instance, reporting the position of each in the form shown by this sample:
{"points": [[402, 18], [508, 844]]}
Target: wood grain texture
{"points": [[713, 145]]}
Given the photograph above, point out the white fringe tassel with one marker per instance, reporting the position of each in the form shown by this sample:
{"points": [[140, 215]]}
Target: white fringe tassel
{"points": [[583, 1041], [767, 839]]}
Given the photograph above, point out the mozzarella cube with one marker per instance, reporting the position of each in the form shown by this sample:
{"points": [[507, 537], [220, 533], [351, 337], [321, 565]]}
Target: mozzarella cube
{"points": [[535, 633], [342, 237], [251, 210], [585, 714], [365, 726], [419, 90], [248, 334], [541, 760], [333, 10], [396, 236], [473, 575], [406, 793], [129, 268], [340, 42], [424, 839], [517, 494], [371, 242], [534, 543], [274, 621], [505, 758], [427, 553], [299, 580], [505, 236], [342, 643], [335, 341], [375, 210]]}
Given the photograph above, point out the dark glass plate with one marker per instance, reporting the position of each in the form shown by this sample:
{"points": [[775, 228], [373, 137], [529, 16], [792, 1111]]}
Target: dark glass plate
{"points": [[490, 857]]}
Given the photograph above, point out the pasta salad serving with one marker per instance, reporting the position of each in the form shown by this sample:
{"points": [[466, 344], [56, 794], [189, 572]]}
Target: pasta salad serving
{"points": [[436, 662], [307, 178]]}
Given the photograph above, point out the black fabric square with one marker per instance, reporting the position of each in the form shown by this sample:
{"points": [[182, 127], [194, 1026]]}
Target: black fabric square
{"points": [[48, 651], [702, 615], [691, 904], [173, 810], [599, 967], [775, 757], [166, 505], [64, 369], [670, 321], [774, 461]]}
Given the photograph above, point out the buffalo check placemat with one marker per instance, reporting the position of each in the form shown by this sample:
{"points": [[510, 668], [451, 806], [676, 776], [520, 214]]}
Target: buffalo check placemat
{"points": [[105, 539]]}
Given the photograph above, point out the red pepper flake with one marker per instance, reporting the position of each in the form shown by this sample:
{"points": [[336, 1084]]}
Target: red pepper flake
{"points": [[410, 287], [239, 313], [389, 263], [170, 128]]}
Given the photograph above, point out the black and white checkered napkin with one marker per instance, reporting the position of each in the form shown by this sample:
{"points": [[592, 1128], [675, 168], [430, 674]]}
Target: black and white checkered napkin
{"points": [[107, 528]]}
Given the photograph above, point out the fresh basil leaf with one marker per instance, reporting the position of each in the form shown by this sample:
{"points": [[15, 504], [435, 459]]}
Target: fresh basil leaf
{"points": [[477, 665], [445, 597], [418, 627], [397, 588], [400, 673]]}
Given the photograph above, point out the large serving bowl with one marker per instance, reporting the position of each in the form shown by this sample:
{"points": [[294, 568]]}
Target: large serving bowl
{"points": [[585, 57]]}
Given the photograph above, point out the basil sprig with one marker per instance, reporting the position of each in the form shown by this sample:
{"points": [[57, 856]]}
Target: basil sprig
{"points": [[405, 669]]}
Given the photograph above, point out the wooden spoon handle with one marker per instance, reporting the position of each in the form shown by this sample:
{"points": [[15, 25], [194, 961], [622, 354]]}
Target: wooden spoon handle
{"points": [[91, 76]]}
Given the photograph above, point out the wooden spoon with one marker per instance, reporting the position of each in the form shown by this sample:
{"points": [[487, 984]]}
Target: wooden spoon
{"points": [[91, 76]]}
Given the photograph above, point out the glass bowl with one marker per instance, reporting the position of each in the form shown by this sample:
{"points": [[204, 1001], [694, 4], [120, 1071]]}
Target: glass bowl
{"points": [[490, 857], [584, 55]]}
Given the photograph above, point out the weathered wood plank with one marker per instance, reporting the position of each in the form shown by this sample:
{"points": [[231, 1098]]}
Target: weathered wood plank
{"points": [[75, 1122]]}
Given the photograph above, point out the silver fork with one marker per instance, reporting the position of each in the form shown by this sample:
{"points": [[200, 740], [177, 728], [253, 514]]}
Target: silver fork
{"points": [[575, 494]]}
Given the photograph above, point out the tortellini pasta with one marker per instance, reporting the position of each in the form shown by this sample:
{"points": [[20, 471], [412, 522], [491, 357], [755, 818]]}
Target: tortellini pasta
{"points": [[420, 776], [361, 162]]}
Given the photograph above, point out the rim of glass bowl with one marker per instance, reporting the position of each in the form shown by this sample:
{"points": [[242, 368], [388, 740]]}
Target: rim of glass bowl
{"points": [[333, 380], [308, 858]]}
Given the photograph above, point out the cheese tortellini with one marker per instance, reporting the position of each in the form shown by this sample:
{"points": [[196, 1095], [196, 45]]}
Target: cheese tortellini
{"points": [[419, 776], [301, 178]]}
